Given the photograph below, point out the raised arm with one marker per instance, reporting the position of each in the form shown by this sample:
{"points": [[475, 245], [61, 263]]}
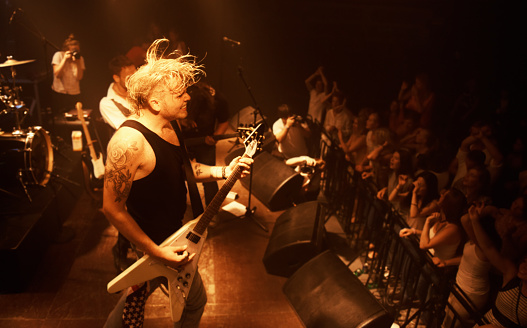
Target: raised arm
{"points": [[449, 234], [502, 263], [309, 81]]}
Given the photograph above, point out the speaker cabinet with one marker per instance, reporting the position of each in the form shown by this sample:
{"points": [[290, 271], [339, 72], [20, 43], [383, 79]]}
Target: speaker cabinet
{"points": [[244, 117], [274, 183], [325, 293], [297, 236]]}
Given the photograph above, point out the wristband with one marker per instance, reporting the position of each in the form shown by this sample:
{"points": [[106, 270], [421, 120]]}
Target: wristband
{"points": [[216, 172], [223, 172]]}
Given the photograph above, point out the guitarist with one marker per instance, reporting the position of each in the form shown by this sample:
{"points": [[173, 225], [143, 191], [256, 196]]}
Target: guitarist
{"points": [[208, 115], [144, 190]]}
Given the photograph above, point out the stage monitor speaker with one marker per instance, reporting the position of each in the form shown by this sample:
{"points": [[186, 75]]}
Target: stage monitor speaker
{"points": [[325, 293], [274, 183], [297, 237], [245, 117]]}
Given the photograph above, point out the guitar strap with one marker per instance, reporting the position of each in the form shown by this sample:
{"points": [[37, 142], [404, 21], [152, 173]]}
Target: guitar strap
{"points": [[195, 198]]}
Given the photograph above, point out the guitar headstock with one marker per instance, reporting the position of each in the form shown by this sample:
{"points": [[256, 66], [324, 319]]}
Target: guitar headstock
{"points": [[252, 139], [80, 112]]}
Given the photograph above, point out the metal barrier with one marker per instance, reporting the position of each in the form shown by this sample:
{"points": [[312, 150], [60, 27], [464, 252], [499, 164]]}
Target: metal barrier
{"points": [[400, 274]]}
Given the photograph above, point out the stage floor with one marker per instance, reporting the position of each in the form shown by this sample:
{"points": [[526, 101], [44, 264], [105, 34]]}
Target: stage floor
{"points": [[69, 285]]}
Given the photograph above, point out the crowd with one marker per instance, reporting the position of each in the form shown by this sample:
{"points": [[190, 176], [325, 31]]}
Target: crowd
{"points": [[461, 188]]}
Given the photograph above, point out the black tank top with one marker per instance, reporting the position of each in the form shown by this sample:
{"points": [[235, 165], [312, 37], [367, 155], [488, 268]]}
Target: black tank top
{"points": [[158, 201]]}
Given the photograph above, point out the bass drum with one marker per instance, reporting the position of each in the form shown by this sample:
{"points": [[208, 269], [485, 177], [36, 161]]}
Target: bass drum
{"points": [[26, 157]]}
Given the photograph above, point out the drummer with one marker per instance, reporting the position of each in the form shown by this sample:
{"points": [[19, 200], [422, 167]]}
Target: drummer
{"points": [[68, 70]]}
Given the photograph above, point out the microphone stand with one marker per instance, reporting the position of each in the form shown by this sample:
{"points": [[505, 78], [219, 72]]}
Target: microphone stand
{"points": [[249, 212], [45, 43]]}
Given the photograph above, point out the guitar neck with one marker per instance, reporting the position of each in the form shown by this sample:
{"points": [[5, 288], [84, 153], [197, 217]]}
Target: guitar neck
{"points": [[216, 202], [89, 142]]}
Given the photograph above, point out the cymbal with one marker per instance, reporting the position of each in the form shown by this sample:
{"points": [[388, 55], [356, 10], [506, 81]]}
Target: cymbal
{"points": [[12, 62]]}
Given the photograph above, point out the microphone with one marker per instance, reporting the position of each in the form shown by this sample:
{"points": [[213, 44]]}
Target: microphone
{"points": [[231, 41], [13, 15]]}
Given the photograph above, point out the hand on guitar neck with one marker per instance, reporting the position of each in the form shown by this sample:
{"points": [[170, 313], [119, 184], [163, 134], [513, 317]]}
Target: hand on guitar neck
{"points": [[96, 158]]}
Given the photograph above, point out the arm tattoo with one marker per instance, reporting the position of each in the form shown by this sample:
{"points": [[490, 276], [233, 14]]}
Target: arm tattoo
{"points": [[197, 170], [117, 169]]}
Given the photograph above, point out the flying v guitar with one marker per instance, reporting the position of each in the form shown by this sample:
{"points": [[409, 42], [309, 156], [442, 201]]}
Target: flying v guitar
{"points": [[192, 234]]}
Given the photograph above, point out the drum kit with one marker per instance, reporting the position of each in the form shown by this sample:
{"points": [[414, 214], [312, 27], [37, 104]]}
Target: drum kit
{"points": [[26, 154]]}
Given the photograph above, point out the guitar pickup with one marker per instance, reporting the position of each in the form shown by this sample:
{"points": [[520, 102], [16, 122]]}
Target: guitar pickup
{"points": [[193, 237]]}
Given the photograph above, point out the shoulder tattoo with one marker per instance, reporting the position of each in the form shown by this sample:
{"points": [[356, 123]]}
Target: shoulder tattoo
{"points": [[117, 175]]}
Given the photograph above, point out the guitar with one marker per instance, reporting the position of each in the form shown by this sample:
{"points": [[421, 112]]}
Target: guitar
{"points": [[193, 235], [96, 158]]}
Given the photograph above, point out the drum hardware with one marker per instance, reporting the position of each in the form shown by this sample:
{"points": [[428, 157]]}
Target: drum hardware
{"points": [[24, 187], [27, 157], [61, 178], [10, 62], [11, 98], [9, 193]]}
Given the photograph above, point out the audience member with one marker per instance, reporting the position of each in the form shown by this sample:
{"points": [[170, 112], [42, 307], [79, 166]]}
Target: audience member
{"points": [[515, 162], [357, 136], [397, 107], [510, 306], [373, 122], [422, 99], [480, 138], [424, 145], [290, 134], [338, 118], [475, 185], [442, 232], [355, 147], [310, 169], [472, 275], [376, 164], [319, 93], [400, 179], [406, 128], [424, 200]]}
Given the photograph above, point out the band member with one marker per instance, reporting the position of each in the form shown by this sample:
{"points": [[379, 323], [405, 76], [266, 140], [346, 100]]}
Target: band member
{"points": [[114, 107], [144, 190]]}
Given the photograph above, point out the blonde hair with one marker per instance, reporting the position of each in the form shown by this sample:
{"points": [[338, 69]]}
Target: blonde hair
{"points": [[159, 74]]}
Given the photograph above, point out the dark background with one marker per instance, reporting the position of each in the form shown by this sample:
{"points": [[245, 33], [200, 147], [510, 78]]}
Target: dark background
{"points": [[368, 47]]}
